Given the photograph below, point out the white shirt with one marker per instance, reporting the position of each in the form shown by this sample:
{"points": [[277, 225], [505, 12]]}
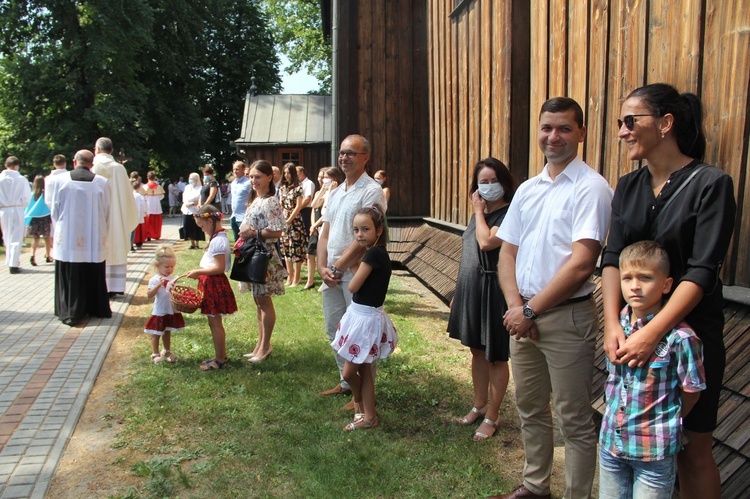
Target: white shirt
{"points": [[162, 301], [140, 203], [308, 188], [14, 190], [219, 244], [51, 185], [343, 204], [547, 216], [81, 214]]}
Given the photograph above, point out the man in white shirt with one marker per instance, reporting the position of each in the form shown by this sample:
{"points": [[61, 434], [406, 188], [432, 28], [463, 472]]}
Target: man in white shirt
{"points": [[338, 250], [15, 195], [552, 236], [81, 212], [240, 192], [123, 214]]}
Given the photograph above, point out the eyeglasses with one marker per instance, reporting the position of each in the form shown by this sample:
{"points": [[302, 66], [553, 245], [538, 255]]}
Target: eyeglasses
{"points": [[349, 154], [629, 120]]}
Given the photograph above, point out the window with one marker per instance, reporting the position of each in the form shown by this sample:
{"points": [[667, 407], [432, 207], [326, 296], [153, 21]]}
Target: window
{"points": [[289, 156]]}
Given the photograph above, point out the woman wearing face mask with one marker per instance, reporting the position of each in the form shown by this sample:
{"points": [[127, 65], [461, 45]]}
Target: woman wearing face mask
{"points": [[210, 189], [329, 180], [191, 197], [477, 307]]}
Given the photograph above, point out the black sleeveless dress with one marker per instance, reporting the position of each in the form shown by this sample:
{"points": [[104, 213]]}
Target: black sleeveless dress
{"points": [[476, 318]]}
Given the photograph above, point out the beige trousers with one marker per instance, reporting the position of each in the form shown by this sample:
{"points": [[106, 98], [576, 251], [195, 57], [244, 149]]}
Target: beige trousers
{"points": [[560, 363]]}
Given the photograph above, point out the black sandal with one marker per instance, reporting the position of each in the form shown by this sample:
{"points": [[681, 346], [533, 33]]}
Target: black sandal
{"points": [[212, 365]]}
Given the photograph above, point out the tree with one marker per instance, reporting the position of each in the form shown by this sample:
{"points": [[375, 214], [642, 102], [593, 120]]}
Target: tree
{"points": [[165, 79], [298, 29]]}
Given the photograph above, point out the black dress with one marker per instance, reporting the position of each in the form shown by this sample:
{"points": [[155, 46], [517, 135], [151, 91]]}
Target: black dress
{"points": [[476, 317], [694, 225]]}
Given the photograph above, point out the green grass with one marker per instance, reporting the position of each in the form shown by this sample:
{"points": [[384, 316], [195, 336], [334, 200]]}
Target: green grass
{"points": [[263, 431]]}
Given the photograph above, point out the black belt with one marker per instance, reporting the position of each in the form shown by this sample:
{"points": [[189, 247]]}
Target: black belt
{"points": [[577, 299]]}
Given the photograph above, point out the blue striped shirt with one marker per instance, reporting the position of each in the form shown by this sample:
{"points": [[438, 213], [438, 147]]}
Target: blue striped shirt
{"points": [[642, 413]]}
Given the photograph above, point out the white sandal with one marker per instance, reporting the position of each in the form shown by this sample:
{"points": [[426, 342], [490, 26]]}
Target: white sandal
{"points": [[478, 413], [169, 356], [156, 358]]}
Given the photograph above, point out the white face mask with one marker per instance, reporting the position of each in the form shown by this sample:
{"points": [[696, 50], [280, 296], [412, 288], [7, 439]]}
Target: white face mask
{"points": [[379, 181], [326, 181], [491, 192]]}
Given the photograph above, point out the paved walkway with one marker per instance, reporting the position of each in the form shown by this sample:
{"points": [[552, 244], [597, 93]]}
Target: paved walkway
{"points": [[47, 369]]}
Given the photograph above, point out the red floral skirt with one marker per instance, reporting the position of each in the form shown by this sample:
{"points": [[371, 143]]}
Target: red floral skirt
{"points": [[158, 324], [218, 297]]}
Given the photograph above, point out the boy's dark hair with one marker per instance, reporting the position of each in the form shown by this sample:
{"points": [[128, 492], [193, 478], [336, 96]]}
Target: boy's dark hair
{"points": [[646, 254]]}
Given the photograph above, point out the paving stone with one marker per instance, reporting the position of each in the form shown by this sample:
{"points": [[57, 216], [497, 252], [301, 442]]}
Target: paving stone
{"points": [[17, 492]]}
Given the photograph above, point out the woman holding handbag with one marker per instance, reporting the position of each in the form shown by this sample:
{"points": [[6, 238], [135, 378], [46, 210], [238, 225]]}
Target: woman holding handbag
{"points": [[264, 220]]}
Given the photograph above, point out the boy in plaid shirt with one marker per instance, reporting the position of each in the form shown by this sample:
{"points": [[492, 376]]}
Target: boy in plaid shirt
{"points": [[642, 427]]}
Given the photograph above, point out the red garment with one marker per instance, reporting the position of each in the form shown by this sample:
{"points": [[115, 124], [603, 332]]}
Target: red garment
{"points": [[218, 297], [153, 226], [158, 324], [139, 234]]}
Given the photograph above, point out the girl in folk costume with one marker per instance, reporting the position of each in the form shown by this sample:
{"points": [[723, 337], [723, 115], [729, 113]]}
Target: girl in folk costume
{"points": [[138, 236], [365, 332], [154, 193], [163, 319], [218, 298]]}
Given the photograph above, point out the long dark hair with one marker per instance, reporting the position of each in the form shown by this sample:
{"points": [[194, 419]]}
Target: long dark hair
{"points": [[292, 169], [38, 187], [506, 179], [265, 168], [661, 99], [377, 215]]}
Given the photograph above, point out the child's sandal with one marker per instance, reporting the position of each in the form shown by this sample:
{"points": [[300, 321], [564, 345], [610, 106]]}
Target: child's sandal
{"points": [[169, 356], [156, 358]]}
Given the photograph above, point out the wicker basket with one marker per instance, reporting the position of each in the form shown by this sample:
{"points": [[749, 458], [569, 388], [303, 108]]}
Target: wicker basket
{"points": [[184, 298]]}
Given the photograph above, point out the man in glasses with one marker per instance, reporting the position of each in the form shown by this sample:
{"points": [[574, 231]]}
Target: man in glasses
{"points": [[338, 251], [552, 236]]}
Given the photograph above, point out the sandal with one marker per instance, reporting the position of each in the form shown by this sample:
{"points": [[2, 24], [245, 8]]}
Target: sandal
{"points": [[212, 365], [169, 356], [156, 358], [33, 261], [361, 424], [473, 415], [480, 435]]}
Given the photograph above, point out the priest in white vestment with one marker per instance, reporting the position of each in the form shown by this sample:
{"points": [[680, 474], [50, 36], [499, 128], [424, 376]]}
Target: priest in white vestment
{"points": [[51, 185], [81, 211], [15, 195], [123, 214]]}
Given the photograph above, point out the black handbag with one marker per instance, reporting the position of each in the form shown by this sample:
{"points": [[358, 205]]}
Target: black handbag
{"points": [[252, 263]]}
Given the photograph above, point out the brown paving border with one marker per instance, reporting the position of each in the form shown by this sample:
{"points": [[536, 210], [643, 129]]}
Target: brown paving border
{"points": [[14, 415]]}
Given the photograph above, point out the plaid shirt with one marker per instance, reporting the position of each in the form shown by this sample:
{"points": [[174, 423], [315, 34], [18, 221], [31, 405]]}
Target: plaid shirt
{"points": [[642, 413]]}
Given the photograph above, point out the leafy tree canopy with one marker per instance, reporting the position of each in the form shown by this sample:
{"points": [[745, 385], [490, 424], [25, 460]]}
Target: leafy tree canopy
{"points": [[298, 28], [165, 79]]}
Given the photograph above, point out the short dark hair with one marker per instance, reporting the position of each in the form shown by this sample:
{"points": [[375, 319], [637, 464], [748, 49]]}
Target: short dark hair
{"points": [[561, 105], [59, 159]]}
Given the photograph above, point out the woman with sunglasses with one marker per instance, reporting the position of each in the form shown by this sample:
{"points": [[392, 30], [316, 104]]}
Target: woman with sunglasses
{"points": [[689, 208]]}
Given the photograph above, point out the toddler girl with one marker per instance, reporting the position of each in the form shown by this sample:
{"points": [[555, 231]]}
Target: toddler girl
{"points": [[365, 332], [163, 319], [218, 298]]}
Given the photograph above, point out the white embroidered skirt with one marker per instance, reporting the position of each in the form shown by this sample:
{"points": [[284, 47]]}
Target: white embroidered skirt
{"points": [[365, 334]]}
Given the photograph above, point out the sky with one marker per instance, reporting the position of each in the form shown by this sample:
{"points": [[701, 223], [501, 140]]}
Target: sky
{"points": [[297, 83]]}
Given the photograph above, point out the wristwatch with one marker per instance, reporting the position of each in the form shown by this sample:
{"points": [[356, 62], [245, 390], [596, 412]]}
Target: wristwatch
{"points": [[335, 270], [528, 312]]}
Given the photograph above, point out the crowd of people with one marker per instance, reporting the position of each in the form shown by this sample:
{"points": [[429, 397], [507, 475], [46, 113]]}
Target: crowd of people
{"points": [[524, 287]]}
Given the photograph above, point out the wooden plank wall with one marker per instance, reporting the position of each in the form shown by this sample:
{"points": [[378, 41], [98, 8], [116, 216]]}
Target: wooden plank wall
{"points": [[595, 51], [382, 95]]}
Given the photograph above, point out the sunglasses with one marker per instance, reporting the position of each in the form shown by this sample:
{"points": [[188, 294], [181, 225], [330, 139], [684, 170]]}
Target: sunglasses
{"points": [[629, 120]]}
